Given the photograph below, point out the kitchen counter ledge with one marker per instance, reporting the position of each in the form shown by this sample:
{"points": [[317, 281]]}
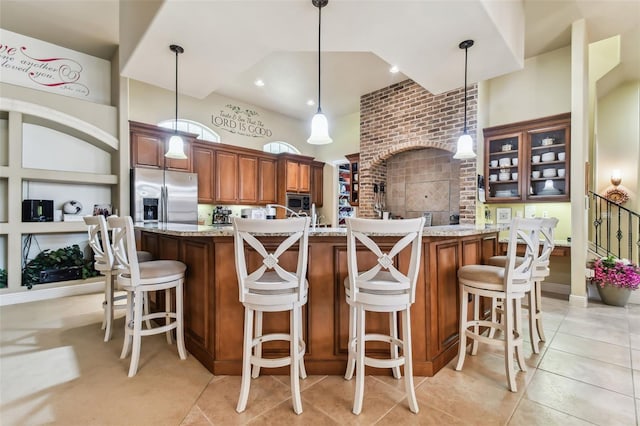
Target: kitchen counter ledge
{"points": [[184, 230]]}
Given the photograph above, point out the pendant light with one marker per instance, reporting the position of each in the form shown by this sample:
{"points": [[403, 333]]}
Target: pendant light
{"points": [[319, 124], [464, 151], [176, 145]]}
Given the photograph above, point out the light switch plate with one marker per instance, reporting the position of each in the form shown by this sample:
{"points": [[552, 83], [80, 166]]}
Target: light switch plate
{"points": [[529, 211]]}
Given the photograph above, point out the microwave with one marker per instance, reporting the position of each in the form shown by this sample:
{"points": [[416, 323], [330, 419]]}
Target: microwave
{"points": [[299, 203]]}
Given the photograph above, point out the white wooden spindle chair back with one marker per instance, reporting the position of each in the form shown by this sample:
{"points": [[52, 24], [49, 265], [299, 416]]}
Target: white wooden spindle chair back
{"points": [[99, 242], [124, 249], [518, 271], [547, 231]]}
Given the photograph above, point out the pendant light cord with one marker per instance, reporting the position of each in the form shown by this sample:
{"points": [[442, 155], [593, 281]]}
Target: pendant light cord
{"points": [[319, 35], [176, 122], [466, 52]]}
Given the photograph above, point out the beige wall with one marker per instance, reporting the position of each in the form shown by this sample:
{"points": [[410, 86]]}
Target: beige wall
{"points": [[540, 89], [151, 104]]}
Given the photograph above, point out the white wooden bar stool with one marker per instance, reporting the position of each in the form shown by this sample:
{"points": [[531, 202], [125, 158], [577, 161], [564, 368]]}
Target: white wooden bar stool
{"points": [[104, 262], [508, 284], [271, 288], [383, 288], [540, 272], [138, 279]]}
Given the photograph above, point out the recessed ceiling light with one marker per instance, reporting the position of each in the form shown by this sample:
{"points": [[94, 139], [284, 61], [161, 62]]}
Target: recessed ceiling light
{"points": [[259, 83], [311, 102], [394, 69]]}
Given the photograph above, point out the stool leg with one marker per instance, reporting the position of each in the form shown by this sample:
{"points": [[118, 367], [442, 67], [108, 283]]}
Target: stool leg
{"points": [[518, 326], [494, 317], [303, 371], [462, 345], [533, 333], [127, 326], [258, 347], [538, 296], [246, 360], [108, 308], [294, 353], [507, 306], [182, 351], [359, 396], [137, 328], [351, 359], [393, 328], [167, 309], [146, 309], [408, 361], [476, 327]]}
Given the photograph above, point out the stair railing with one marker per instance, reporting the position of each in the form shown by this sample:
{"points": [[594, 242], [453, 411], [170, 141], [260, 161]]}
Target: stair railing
{"points": [[616, 229]]}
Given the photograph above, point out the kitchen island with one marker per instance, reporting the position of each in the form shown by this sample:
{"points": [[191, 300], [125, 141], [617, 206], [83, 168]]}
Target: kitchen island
{"points": [[214, 316]]}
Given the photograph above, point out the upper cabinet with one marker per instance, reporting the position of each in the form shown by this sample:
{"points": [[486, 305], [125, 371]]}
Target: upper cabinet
{"points": [[317, 185], [149, 144], [354, 160], [295, 172], [204, 165], [528, 161]]}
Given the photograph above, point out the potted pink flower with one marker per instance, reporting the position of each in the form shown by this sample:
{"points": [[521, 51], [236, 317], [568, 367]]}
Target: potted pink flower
{"points": [[614, 279]]}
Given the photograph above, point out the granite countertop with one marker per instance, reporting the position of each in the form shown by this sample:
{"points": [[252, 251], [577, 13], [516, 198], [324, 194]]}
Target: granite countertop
{"points": [[184, 230]]}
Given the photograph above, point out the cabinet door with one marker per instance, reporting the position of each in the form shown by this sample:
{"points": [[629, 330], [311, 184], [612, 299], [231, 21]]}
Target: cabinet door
{"points": [[226, 177], [267, 182], [503, 165], [317, 186], [304, 182], [292, 176], [203, 165], [247, 179], [549, 162], [146, 150]]}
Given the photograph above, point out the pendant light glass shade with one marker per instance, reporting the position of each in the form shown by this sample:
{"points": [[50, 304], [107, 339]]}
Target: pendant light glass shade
{"points": [[176, 144], [176, 148], [464, 149], [319, 130], [319, 123]]}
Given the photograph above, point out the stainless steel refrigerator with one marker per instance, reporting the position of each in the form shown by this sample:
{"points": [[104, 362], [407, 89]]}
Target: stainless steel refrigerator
{"points": [[164, 196]]}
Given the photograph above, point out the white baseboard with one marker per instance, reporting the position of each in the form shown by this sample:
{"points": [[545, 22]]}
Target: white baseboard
{"points": [[50, 293], [580, 301]]}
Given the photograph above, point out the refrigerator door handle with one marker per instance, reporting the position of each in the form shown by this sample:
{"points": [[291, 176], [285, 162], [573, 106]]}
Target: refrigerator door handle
{"points": [[166, 204]]}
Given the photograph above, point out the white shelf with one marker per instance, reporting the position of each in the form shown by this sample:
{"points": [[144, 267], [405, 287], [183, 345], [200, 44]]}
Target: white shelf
{"points": [[39, 175], [52, 227]]}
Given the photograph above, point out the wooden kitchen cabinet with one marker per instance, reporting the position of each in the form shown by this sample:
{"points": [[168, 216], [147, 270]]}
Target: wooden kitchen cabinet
{"points": [[204, 165], [317, 184], [354, 189], [267, 182], [149, 144], [226, 177], [528, 161], [247, 179], [295, 172]]}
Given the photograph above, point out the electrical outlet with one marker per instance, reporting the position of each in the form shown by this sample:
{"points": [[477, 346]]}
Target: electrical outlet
{"points": [[545, 214], [529, 211]]}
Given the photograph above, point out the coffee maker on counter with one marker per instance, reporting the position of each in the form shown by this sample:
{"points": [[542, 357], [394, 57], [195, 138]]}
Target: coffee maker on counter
{"points": [[221, 216]]}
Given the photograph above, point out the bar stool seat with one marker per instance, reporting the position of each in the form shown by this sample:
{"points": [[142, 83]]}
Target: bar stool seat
{"points": [[270, 287], [383, 288]]}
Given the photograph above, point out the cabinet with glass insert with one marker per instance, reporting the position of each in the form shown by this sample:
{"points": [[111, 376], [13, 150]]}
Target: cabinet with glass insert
{"points": [[528, 161]]}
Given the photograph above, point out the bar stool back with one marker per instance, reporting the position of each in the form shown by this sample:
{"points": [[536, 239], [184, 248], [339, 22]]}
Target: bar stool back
{"points": [[539, 273], [271, 288], [383, 288], [140, 278], [507, 284], [104, 262]]}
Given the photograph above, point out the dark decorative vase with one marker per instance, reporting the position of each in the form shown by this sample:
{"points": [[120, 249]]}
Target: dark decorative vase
{"points": [[614, 296]]}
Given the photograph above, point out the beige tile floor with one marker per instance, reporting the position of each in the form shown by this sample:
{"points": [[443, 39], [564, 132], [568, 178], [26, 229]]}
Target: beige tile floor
{"points": [[55, 369]]}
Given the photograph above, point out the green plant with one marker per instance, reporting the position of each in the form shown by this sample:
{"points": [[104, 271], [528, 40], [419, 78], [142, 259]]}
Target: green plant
{"points": [[66, 257], [3, 278]]}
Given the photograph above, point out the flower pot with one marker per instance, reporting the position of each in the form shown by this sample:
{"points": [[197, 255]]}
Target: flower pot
{"points": [[614, 296]]}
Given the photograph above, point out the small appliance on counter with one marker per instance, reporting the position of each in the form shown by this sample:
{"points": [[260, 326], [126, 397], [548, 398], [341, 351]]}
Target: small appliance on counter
{"points": [[253, 213], [454, 219], [221, 216], [37, 210]]}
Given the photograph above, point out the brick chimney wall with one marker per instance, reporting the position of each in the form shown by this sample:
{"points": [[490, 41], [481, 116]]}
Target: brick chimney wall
{"points": [[405, 116]]}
